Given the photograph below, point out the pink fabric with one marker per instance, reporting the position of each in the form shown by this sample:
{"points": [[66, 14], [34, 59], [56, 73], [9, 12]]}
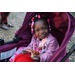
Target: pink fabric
{"points": [[51, 48], [17, 52]]}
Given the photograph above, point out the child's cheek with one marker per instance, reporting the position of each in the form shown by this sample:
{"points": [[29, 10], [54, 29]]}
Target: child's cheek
{"points": [[36, 34]]}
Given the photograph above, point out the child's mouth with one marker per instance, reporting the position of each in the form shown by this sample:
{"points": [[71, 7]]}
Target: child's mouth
{"points": [[43, 36]]}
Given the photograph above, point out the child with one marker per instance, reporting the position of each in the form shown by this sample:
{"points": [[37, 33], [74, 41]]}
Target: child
{"points": [[42, 41]]}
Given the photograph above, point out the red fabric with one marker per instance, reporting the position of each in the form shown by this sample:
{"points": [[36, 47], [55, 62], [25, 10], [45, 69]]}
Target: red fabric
{"points": [[23, 58], [4, 16]]}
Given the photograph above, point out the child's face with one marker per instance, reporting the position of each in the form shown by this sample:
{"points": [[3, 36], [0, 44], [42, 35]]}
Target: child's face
{"points": [[41, 29]]}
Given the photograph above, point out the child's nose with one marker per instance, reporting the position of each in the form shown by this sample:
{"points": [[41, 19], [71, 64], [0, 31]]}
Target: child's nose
{"points": [[41, 31]]}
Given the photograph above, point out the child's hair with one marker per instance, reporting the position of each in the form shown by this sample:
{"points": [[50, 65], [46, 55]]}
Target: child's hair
{"points": [[40, 17], [36, 18]]}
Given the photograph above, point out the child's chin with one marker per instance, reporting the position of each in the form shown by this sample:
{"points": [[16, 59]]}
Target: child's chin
{"points": [[42, 37]]}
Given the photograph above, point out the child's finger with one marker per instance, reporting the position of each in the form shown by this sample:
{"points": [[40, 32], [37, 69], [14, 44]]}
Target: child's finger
{"points": [[24, 52], [36, 58]]}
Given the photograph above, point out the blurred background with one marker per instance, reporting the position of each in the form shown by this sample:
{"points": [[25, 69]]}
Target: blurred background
{"points": [[73, 13]]}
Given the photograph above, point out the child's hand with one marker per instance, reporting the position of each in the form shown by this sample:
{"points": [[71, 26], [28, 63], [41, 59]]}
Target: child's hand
{"points": [[36, 58], [33, 52], [23, 52]]}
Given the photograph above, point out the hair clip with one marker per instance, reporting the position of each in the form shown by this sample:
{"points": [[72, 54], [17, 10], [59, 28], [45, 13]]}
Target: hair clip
{"points": [[32, 19], [32, 27], [39, 16], [48, 20], [36, 16]]}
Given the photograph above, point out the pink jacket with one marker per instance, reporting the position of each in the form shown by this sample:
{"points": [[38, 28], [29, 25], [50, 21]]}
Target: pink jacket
{"points": [[51, 48]]}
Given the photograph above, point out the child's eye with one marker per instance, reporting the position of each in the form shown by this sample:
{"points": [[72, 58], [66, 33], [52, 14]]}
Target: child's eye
{"points": [[44, 28], [37, 30]]}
